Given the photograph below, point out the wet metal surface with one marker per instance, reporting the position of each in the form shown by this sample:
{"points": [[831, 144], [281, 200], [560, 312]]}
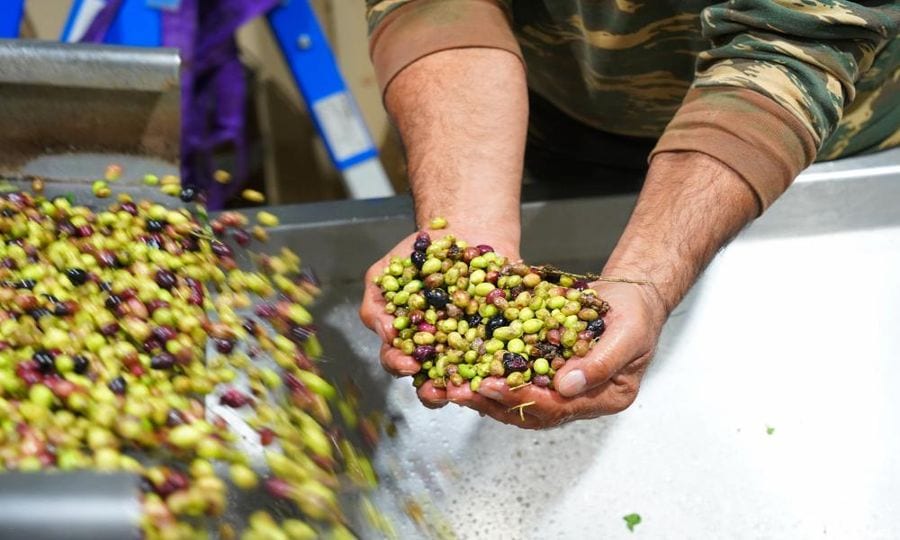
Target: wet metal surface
{"points": [[64, 105], [792, 328], [72, 505]]}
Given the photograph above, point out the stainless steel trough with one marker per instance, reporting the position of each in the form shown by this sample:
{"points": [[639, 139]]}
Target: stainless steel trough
{"points": [[793, 327]]}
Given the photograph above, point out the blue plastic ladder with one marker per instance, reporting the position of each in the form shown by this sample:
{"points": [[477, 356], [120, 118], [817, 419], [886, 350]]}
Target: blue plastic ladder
{"points": [[335, 113], [11, 17]]}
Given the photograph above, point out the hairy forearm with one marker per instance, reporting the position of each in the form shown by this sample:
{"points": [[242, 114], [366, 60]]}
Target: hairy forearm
{"points": [[691, 205], [462, 115]]}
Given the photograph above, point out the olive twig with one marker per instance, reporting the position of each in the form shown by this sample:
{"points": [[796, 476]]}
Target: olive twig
{"points": [[521, 408], [620, 280], [202, 235], [550, 270]]}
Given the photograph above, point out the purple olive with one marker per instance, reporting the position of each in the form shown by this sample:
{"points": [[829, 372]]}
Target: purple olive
{"points": [[221, 250], [109, 329], [242, 237], [234, 398], [223, 345], [164, 333], [514, 362], [423, 353], [163, 361], [422, 242], [166, 279]]}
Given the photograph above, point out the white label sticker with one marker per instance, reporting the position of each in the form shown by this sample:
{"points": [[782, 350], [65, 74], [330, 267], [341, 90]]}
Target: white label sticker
{"points": [[342, 126]]}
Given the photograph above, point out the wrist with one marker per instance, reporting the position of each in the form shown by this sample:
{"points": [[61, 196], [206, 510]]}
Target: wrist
{"points": [[657, 295], [690, 206], [476, 225], [502, 237]]}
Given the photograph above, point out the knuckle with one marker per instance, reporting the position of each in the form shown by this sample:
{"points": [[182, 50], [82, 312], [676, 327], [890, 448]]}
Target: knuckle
{"points": [[432, 403], [623, 399], [618, 406], [561, 419], [629, 387], [390, 367]]}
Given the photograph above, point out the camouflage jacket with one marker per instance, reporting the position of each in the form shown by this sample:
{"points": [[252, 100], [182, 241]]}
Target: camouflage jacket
{"points": [[765, 86]]}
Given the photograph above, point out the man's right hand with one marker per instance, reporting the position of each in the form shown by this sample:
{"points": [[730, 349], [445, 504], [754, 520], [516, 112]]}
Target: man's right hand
{"points": [[373, 315], [462, 115]]}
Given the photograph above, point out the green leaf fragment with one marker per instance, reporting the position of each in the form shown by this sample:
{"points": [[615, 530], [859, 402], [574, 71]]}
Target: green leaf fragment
{"points": [[201, 214], [631, 520], [770, 430]]}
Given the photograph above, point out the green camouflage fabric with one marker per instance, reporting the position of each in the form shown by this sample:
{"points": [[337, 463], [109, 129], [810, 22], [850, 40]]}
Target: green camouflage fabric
{"points": [[624, 66]]}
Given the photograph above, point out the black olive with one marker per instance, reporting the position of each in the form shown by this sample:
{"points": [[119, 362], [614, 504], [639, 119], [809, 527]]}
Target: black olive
{"points": [[78, 276], [118, 385], [437, 297]]}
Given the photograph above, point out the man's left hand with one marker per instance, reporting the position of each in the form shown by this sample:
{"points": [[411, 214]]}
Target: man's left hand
{"points": [[604, 382]]}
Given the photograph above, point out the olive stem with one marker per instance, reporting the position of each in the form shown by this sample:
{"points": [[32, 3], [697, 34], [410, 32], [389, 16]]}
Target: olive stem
{"points": [[521, 408], [547, 268], [523, 385]]}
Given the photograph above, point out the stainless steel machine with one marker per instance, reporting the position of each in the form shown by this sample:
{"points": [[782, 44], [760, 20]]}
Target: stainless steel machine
{"points": [[769, 411], [790, 330], [67, 111]]}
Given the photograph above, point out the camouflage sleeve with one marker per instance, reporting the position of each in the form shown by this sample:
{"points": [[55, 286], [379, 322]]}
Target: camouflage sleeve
{"points": [[805, 56], [377, 10], [403, 31]]}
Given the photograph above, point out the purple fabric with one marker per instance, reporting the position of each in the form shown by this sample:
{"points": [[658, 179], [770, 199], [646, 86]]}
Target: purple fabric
{"points": [[101, 23], [213, 89]]}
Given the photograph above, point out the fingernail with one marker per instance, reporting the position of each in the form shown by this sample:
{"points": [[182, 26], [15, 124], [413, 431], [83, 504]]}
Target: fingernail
{"points": [[572, 384], [489, 393]]}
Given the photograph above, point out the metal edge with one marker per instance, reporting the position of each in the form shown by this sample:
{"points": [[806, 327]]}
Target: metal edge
{"points": [[876, 165], [81, 65]]}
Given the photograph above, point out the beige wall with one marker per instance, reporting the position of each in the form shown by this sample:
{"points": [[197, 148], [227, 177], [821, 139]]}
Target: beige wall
{"points": [[47, 17]]}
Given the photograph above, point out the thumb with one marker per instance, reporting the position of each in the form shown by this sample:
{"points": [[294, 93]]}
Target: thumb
{"points": [[614, 351]]}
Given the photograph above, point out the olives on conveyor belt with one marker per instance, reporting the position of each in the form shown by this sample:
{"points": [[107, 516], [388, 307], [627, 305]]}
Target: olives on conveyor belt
{"points": [[105, 318]]}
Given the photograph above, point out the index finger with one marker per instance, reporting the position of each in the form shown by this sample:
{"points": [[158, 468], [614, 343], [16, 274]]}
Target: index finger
{"points": [[541, 402], [464, 396], [548, 405], [371, 312], [396, 363]]}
